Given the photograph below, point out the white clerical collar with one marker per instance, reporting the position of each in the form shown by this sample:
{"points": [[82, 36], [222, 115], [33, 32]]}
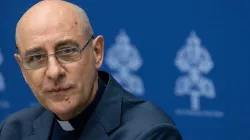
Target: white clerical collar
{"points": [[66, 126]]}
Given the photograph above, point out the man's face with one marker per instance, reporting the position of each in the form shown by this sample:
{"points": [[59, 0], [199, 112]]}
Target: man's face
{"points": [[61, 88]]}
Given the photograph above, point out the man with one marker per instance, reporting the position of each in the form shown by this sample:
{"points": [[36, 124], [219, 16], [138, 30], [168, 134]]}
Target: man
{"points": [[60, 59]]}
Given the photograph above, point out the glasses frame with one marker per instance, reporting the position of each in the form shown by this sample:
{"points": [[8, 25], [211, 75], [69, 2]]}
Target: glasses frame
{"points": [[47, 55]]}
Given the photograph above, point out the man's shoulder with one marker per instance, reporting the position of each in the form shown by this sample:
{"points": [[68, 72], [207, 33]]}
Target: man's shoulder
{"points": [[138, 119], [27, 114], [143, 113], [134, 107], [21, 120], [142, 120]]}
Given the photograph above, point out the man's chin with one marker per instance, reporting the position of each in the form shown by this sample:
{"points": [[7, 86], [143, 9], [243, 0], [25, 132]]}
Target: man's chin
{"points": [[64, 112]]}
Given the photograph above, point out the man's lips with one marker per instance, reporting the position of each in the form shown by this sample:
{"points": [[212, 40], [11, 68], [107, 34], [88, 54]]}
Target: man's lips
{"points": [[59, 89]]}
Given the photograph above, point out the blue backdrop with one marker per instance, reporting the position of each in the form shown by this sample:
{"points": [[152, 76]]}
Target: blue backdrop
{"points": [[190, 57]]}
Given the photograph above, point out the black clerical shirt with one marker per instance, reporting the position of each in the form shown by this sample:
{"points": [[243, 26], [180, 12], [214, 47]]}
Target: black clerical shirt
{"points": [[72, 129]]}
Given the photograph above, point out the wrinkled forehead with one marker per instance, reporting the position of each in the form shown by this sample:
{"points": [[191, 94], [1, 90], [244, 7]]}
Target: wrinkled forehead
{"points": [[47, 27]]}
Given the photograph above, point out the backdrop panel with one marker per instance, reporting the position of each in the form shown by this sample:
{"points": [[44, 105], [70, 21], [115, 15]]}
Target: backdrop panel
{"points": [[190, 57]]}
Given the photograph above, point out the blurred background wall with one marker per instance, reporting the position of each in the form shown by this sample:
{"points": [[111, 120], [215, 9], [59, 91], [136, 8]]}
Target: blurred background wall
{"points": [[189, 57]]}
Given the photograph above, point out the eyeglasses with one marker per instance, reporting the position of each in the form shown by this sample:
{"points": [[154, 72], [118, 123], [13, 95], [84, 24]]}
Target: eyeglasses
{"points": [[63, 56]]}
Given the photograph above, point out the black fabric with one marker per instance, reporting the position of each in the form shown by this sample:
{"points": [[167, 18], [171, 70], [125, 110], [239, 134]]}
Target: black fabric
{"points": [[60, 134], [119, 115], [80, 120]]}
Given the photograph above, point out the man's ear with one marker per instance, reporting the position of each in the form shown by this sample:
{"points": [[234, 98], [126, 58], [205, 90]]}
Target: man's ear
{"points": [[18, 59], [98, 44]]}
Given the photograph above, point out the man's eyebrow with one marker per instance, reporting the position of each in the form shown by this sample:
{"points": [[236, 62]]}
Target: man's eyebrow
{"points": [[59, 44], [66, 42], [33, 50]]}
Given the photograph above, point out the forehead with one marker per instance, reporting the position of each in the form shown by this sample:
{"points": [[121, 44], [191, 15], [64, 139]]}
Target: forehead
{"points": [[49, 41], [46, 30]]}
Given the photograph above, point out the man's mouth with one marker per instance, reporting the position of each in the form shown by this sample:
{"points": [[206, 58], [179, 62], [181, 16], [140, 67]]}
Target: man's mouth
{"points": [[59, 89]]}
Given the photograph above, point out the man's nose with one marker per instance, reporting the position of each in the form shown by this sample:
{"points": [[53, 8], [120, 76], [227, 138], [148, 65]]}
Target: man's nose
{"points": [[54, 69]]}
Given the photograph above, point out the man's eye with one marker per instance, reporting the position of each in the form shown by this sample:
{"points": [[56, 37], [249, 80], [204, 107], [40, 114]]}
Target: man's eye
{"points": [[36, 57], [68, 51]]}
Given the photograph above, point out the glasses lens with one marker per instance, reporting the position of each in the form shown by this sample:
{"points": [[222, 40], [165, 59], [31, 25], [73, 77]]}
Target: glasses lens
{"points": [[68, 55], [35, 61]]}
